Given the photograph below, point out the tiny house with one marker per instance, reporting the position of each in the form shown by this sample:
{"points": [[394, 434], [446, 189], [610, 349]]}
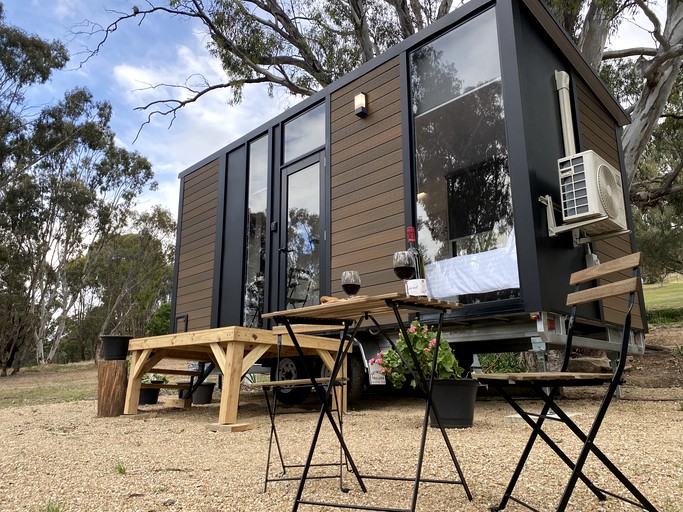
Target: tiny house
{"points": [[473, 130]]}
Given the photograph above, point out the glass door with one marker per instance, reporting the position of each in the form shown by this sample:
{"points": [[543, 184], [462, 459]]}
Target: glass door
{"points": [[300, 240]]}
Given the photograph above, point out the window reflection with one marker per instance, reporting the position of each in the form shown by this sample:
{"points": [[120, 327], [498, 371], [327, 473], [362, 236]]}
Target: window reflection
{"points": [[304, 133], [464, 209], [256, 233], [303, 237]]}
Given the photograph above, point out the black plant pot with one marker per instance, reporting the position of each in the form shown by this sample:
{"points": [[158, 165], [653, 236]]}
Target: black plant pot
{"points": [[454, 400], [202, 395], [148, 396], [114, 347]]}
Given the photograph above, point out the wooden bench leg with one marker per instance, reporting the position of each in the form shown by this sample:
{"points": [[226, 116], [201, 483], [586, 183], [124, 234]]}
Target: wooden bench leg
{"points": [[230, 394]]}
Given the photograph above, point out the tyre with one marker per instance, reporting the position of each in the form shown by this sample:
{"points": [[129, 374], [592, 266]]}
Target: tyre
{"points": [[356, 384], [290, 368], [356, 373]]}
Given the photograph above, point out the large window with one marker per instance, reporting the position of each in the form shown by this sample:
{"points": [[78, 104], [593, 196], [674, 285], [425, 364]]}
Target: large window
{"points": [[464, 205], [256, 232]]}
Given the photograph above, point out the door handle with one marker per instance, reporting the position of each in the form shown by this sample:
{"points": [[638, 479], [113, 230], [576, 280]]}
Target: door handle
{"points": [[284, 250]]}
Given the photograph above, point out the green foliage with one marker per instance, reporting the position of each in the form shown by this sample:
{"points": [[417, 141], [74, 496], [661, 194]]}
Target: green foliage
{"points": [[154, 377], [665, 316], [396, 364], [505, 362], [679, 350], [120, 468], [160, 321]]}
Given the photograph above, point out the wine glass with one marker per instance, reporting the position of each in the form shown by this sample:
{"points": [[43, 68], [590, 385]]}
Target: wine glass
{"points": [[350, 281], [404, 265]]}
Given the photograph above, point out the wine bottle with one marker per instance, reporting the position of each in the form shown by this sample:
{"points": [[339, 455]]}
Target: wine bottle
{"points": [[415, 251]]}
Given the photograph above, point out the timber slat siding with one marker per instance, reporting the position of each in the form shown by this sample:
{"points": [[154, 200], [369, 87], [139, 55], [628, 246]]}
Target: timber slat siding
{"points": [[367, 209], [598, 132], [197, 243]]}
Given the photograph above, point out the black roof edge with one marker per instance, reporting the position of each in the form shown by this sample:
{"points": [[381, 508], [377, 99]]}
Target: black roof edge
{"points": [[537, 8]]}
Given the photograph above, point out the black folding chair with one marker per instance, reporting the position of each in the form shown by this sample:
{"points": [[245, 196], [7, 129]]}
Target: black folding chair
{"points": [[270, 390], [546, 386]]}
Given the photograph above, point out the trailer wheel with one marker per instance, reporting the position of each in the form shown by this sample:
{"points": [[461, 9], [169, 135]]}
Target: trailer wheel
{"points": [[356, 373], [356, 384], [290, 368]]}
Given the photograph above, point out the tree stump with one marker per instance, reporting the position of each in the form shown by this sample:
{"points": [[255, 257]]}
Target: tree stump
{"points": [[112, 381]]}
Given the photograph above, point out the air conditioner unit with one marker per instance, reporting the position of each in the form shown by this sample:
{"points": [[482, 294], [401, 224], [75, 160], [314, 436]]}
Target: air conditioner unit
{"points": [[591, 189]]}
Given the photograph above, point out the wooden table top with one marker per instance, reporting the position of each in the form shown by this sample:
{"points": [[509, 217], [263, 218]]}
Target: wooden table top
{"points": [[353, 308]]}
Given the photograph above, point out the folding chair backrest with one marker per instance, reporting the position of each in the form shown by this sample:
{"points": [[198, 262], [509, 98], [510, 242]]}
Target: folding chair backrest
{"points": [[604, 291], [622, 283]]}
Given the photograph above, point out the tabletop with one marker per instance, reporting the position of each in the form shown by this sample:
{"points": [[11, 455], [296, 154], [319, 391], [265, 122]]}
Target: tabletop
{"points": [[352, 308]]}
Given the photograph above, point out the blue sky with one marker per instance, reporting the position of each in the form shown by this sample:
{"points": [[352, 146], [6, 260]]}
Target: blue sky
{"points": [[162, 50]]}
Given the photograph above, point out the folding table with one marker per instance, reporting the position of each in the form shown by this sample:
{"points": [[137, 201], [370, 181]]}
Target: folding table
{"points": [[351, 313]]}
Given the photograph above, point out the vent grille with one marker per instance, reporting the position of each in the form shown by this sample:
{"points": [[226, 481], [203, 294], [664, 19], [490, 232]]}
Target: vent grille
{"points": [[574, 189]]}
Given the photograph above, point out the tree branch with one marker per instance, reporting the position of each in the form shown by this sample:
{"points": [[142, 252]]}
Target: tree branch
{"points": [[657, 26], [629, 52], [175, 105]]}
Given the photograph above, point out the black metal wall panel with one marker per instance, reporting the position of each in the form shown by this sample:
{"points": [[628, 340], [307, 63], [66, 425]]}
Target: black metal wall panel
{"points": [[234, 223], [556, 257]]}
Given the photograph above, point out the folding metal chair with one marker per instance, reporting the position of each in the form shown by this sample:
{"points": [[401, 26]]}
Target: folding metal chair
{"points": [[546, 386], [270, 392]]}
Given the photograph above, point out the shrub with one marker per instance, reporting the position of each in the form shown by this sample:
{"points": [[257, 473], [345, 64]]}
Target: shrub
{"points": [[665, 316], [507, 362]]}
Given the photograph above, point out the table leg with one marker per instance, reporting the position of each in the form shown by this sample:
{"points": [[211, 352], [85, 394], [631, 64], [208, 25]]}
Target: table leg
{"points": [[340, 393], [232, 378], [134, 385]]}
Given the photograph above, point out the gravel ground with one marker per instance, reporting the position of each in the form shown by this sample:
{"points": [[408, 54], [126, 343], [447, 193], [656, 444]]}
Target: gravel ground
{"points": [[63, 455]]}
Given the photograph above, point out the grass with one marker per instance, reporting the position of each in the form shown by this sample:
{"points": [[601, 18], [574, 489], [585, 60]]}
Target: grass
{"points": [[50, 384], [120, 468], [663, 301], [51, 506], [666, 295]]}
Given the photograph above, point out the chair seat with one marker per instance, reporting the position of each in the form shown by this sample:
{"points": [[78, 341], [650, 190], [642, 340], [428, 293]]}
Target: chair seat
{"points": [[545, 378], [294, 382]]}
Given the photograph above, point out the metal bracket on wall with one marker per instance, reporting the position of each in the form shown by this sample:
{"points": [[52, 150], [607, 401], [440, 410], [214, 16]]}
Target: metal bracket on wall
{"points": [[554, 229]]}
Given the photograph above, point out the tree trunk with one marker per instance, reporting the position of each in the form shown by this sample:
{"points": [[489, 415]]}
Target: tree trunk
{"points": [[594, 33], [660, 75], [112, 381]]}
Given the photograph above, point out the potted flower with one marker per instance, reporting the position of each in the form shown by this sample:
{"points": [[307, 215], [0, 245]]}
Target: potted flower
{"points": [[150, 395], [453, 395]]}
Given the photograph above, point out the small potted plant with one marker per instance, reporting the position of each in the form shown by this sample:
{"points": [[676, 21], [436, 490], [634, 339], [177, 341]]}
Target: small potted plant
{"points": [[150, 396], [453, 395]]}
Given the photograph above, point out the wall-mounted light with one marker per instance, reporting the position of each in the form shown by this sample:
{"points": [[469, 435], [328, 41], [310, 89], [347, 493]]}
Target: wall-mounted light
{"points": [[360, 103]]}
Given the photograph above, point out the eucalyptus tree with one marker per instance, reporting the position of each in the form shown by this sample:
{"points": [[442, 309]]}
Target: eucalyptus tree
{"points": [[25, 61], [134, 275], [301, 46], [127, 284], [78, 188]]}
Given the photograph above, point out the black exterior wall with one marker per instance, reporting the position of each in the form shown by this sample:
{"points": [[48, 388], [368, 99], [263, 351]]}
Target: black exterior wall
{"points": [[230, 271], [537, 62]]}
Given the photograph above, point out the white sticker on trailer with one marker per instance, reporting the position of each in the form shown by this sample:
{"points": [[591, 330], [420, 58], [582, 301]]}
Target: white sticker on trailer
{"points": [[377, 378]]}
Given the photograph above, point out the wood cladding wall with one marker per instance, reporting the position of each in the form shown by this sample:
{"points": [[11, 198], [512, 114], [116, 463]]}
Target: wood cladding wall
{"points": [[366, 166], [598, 132], [197, 243]]}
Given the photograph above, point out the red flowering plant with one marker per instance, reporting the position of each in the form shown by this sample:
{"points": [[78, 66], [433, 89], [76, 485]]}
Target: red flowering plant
{"points": [[423, 341]]}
